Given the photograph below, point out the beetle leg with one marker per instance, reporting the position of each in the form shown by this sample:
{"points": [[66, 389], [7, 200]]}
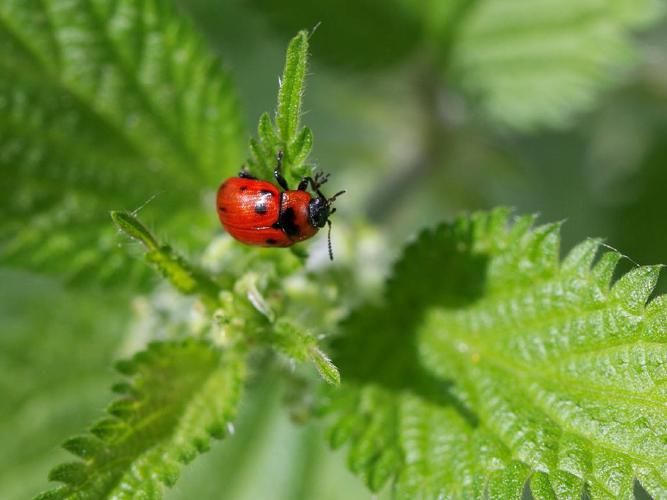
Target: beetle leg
{"points": [[313, 184], [244, 174], [276, 173], [316, 183], [277, 224], [321, 178]]}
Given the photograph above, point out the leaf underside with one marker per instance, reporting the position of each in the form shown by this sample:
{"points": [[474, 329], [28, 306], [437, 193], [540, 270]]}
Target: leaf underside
{"points": [[539, 63], [178, 396], [492, 364]]}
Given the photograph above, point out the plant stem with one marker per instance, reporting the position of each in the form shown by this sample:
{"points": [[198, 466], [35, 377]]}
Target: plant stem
{"points": [[435, 129]]}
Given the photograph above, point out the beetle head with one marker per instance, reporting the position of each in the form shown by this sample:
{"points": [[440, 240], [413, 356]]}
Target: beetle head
{"points": [[319, 210]]}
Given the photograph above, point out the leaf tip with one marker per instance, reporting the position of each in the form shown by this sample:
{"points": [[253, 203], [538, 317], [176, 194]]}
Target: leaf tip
{"points": [[54, 494], [325, 366], [82, 446], [635, 287], [72, 473], [129, 224]]}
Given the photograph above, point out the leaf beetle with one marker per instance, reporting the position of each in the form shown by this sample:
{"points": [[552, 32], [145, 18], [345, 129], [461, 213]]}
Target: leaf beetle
{"points": [[257, 212]]}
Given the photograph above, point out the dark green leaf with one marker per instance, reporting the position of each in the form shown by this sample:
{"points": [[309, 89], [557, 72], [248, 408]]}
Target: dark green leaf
{"points": [[361, 35]]}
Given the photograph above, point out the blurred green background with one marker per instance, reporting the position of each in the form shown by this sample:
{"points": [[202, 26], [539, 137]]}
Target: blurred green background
{"points": [[413, 145]]}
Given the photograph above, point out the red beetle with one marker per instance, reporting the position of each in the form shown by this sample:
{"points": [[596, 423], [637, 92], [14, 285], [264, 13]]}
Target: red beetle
{"points": [[256, 212]]}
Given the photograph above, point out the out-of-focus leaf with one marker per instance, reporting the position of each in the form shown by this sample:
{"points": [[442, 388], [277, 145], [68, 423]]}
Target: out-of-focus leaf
{"points": [[104, 105], [523, 65], [178, 395], [539, 63], [359, 34], [54, 346]]}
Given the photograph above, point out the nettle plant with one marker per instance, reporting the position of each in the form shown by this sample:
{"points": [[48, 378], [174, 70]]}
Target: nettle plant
{"points": [[491, 367]]}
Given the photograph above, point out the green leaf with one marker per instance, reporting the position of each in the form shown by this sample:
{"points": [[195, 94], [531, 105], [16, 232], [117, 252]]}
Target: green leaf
{"points": [[325, 366], [180, 273], [299, 344], [183, 393], [523, 66], [104, 104], [492, 363], [131, 226], [540, 63], [285, 135], [291, 87], [245, 310], [299, 149], [54, 342]]}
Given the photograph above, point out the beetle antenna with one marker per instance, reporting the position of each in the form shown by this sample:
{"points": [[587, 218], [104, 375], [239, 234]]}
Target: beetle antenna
{"points": [[329, 240], [333, 198]]}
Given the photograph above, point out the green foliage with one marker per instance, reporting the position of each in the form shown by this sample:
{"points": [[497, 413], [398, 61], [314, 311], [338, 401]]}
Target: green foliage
{"points": [[180, 273], [540, 63], [178, 395], [302, 346], [182, 391], [104, 104], [285, 135], [244, 315], [523, 66], [54, 379], [489, 368], [273, 457], [491, 364]]}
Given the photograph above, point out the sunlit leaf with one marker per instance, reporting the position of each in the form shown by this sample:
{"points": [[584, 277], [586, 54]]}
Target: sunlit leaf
{"points": [[492, 363]]}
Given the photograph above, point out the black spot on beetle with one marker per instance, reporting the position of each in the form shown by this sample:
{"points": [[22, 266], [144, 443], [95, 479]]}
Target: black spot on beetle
{"points": [[271, 241], [222, 209], [265, 192], [287, 222], [243, 188], [260, 207]]}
